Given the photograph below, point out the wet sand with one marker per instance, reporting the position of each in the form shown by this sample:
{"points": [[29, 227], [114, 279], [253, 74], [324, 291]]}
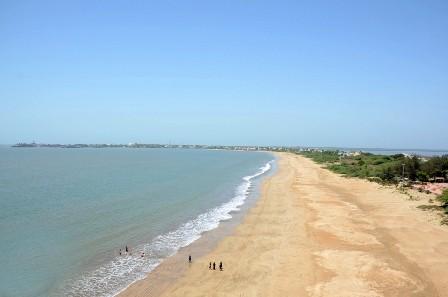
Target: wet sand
{"points": [[314, 233]]}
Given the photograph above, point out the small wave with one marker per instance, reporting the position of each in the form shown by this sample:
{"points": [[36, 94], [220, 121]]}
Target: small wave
{"points": [[111, 279]]}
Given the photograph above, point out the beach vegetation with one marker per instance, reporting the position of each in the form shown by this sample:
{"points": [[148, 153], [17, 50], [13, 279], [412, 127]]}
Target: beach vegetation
{"points": [[388, 169], [444, 199], [398, 169]]}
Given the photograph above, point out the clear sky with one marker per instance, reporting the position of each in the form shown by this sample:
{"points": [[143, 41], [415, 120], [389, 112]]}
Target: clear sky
{"points": [[317, 73]]}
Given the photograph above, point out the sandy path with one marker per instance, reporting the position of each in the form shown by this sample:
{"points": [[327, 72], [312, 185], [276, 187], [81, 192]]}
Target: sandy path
{"points": [[313, 233]]}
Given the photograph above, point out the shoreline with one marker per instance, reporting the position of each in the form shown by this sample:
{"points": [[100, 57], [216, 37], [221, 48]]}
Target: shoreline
{"points": [[174, 266], [314, 233]]}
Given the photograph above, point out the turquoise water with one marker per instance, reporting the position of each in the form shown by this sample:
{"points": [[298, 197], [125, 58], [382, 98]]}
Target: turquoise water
{"points": [[65, 213]]}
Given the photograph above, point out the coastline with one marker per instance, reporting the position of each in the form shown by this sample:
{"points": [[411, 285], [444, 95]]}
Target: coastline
{"points": [[173, 267], [315, 233]]}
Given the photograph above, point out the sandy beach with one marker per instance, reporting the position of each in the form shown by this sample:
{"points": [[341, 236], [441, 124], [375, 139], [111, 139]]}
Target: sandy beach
{"points": [[314, 233]]}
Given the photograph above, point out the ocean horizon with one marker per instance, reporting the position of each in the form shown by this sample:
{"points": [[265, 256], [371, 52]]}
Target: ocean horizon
{"points": [[65, 214]]}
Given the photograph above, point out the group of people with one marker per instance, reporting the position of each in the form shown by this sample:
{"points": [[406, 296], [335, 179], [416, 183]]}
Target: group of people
{"points": [[127, 251], [211, 266]]}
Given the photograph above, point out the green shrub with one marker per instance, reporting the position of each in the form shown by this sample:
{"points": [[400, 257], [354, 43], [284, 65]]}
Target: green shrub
{"points": [[444, 197], [388, 168]]}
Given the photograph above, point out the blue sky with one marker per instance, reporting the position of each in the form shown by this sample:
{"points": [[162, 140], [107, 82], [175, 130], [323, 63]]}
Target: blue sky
{"points": [[317, 73]]}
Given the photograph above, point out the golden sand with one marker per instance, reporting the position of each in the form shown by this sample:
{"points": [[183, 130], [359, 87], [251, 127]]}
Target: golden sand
{"points": [[314, 233]]}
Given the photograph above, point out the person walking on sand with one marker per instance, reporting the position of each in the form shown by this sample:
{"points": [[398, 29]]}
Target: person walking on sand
{"points": [[210, 266], [214, 268], [220, 266], [189, 258]]}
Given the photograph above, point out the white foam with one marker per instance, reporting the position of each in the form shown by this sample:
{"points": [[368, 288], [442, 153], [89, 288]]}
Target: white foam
{"points": [[111, 279]]}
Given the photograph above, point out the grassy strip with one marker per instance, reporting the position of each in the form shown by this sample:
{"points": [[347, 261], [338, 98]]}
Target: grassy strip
{"points": [[380, 167]]}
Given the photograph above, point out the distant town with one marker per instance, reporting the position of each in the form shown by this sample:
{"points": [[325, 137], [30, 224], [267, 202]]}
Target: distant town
{"points": [[151, 145]]}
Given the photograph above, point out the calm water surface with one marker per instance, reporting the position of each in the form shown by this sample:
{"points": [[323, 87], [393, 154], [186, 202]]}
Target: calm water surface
{"points": [[65, 213]]}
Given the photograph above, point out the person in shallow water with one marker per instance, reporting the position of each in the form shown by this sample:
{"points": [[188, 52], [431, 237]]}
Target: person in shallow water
{"points": [[220, 266], [189, 258], [120, 252], [127, 250]]}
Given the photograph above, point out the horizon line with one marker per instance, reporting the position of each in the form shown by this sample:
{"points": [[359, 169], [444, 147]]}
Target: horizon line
{"points": [[244, 145]]}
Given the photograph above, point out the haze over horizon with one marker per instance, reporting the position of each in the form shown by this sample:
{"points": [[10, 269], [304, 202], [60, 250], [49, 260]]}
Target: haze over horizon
{"points": [[349, 74], [379, 149]]}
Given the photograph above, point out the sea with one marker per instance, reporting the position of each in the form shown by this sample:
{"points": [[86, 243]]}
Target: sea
{"points": [[66, 213]]}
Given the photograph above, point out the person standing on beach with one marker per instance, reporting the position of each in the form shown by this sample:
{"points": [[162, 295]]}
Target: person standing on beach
{"points": [[210, 266], [214, 268], [220, 266], [189, 258]]}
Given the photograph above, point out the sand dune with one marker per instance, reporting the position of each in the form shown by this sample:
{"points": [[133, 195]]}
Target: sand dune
{"points": [[313, 233]]}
